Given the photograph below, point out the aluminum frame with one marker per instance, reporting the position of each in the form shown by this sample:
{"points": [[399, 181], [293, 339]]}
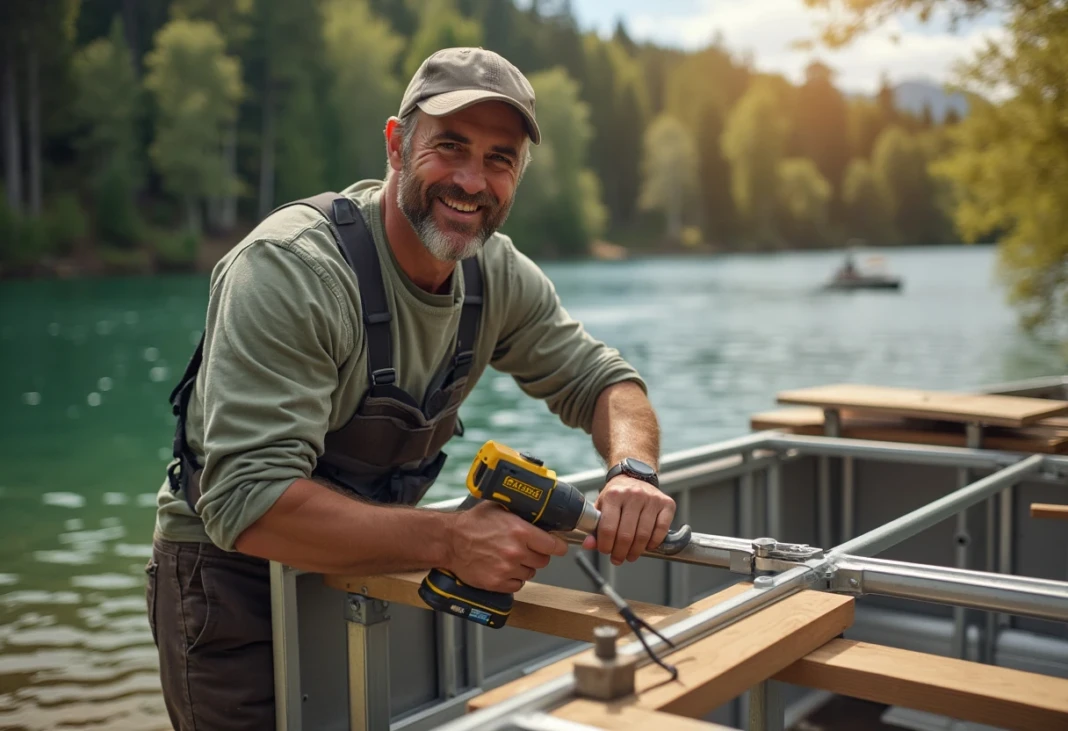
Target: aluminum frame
{"points": [[798, 567], [847, 568]]}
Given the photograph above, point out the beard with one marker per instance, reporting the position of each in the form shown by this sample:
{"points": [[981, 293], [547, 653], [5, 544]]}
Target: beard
{"points": [[452, 240]]}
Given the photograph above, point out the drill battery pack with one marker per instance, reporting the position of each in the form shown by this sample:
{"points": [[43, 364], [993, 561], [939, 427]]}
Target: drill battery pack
{"points": [[442, 591]]}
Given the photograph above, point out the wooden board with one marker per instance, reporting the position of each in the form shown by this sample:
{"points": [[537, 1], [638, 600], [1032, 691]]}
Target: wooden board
{"points": [[1040, 438], [1049, 510], [959, 689], [561, 667], [944, 405], [627, 716], [552, 610], [717, 668]]}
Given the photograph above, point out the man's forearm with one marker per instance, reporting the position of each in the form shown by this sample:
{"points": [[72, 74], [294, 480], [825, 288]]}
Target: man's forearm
{"points": [[313, 528], [625, 425]]}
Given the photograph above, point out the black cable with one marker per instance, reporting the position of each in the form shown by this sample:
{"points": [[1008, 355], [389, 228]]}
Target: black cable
{"points": [[633, 621]]}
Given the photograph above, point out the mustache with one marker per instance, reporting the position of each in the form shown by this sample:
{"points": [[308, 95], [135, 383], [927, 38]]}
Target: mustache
{"points": [[486, 199]]}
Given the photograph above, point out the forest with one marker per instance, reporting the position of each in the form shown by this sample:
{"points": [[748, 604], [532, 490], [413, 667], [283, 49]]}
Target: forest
{"points": [[151, 135]]}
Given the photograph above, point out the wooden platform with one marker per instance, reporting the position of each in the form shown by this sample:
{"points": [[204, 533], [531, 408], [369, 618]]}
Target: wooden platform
{"points": [[795, 640], [986, 409], [1048, 436]]}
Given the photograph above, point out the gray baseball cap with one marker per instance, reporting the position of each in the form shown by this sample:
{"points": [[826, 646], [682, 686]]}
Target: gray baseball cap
{"points": [[455, 78]]}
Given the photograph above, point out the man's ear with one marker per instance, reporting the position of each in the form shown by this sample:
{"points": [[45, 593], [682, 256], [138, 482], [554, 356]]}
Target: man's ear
{"points": [[394, 143]]}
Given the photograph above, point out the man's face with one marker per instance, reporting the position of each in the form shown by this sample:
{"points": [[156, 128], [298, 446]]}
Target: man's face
{"points": [[457, 182]]}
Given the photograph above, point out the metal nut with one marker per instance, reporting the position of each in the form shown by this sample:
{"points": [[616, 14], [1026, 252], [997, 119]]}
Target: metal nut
{"points": [[762, 547]]}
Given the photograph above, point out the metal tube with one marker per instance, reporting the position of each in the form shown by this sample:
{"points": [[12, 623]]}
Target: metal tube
{"points": [[766, 711], [679, 572], [990, 620], [1006, 538], [682, 633], [746, 503], [774, 500], [896, 452], [849, 493], [703, 549], [935, 512], [286, 648], [1019, 595]]}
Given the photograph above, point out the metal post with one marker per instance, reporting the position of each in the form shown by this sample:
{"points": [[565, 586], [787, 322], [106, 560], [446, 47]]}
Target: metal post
{"points": [[1006, 540], [746, 503], [286, 647], [832, 427], [963, 539], [448, 673], [368, 637], [849, 503], [766, 712], [774, 500]]}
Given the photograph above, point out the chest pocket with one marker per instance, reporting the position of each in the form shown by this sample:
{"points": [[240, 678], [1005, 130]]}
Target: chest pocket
{"points": [[390, 450]]}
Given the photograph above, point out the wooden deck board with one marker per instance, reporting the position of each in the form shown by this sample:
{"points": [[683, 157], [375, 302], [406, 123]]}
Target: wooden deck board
{"points": [[960, 689], [627, 716], [1014, 411], [552, 610], [1049, 510], [561, 667], [1043, 437]]}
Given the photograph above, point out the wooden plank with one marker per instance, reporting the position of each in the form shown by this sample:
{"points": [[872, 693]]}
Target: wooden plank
{"points": [[945, 405], [717, 668], [1039, 438], [1049, 510], [627, 716], [960, 689], [552, 610], [547, 673]]}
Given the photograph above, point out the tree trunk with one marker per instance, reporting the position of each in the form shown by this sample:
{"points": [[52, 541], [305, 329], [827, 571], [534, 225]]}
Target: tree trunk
{"points": [[228, 212], [129, 26], [267, 154], [12, 141], [33, 122]]}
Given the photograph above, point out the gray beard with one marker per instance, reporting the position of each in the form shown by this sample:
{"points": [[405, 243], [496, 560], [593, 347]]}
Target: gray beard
{"points": [[442, 245]]}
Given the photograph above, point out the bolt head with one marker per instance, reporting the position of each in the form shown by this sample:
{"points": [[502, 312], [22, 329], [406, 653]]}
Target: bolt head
{"points": [[763, 582], [604, 638]]}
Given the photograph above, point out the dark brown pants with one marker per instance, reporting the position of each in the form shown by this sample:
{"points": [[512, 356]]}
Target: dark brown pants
{"points": [[210, 615]]}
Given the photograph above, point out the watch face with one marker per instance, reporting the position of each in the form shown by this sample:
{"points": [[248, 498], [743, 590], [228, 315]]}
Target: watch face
{"points": [[639, 467]]}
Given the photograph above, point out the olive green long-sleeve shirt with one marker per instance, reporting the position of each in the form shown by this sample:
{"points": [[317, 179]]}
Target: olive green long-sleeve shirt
{"points": [[285, 358]]}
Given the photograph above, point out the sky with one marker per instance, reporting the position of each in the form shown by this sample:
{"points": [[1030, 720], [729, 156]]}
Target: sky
{"points": [[767, 28]]}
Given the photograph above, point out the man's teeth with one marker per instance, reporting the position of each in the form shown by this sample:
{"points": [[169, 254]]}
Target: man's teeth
{"points": [[465, 207]]}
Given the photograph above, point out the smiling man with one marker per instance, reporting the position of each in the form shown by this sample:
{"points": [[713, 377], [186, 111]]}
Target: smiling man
{"points": [[342, 335]]}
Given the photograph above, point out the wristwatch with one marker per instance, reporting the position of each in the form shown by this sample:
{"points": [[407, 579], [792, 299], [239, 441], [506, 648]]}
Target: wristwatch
{"points": [[634, 468]]}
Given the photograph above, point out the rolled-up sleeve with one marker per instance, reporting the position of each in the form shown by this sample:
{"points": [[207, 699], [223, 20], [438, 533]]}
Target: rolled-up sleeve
{"points": [[549, 353], [274, 333]]}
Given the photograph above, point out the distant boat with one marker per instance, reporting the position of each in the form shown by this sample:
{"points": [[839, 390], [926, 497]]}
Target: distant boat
{"points": [[849, 277]]}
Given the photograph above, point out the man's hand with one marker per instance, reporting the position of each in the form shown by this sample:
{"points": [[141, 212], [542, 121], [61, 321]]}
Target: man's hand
{"points": [[496, 550], [635, 517]]}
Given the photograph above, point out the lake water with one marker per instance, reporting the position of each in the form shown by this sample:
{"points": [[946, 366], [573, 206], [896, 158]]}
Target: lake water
{"points": [[87, 366]]}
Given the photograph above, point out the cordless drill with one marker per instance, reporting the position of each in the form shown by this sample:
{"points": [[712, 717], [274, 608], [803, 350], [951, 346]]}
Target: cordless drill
{"points": [[527, 488]]}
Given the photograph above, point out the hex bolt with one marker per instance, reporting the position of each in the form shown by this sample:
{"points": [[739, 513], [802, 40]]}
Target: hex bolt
{"points": [[604, 638], [762, 547]]}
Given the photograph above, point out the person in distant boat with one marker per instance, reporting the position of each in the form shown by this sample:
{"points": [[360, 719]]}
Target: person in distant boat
{"points": [[341, 337]]}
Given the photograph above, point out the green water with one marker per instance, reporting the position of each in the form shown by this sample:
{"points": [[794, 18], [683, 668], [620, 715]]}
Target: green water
{"points": [[86, 368]]}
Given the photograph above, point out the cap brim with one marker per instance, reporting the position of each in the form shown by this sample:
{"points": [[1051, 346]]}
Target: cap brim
{"points": [[453, 101]]}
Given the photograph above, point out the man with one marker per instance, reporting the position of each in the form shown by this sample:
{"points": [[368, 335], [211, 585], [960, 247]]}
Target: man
{"points": [[341, 337]]}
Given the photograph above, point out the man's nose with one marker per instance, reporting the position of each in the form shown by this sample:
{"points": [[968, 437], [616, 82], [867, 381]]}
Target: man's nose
{"points": [[471, 177]]}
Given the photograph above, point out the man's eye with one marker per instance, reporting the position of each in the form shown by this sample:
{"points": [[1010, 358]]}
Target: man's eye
{"points": [[503, 159], [448, 146]]}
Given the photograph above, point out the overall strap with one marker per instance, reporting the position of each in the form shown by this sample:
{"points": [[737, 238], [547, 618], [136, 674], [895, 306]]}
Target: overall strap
{"points": [[469, 317], [358, 247]]}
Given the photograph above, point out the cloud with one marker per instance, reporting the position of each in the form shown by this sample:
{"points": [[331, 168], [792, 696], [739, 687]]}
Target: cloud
{"points": [[766, 30]]}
